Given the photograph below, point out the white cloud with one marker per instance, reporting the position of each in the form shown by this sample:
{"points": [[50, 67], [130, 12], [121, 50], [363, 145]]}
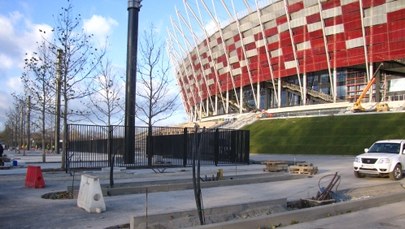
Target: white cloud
{"points": [[14, 84], [100, 27], [18, 36]]}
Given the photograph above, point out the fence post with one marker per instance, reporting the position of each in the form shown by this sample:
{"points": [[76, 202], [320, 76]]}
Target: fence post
{"points": [[66, 165], [111, 160], [185, 146], [109, 145], [216, 146], [247, 145], [149, 146]]}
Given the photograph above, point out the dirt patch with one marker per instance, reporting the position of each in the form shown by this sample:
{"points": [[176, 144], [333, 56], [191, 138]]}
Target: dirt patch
{"points": [[58, 195]]}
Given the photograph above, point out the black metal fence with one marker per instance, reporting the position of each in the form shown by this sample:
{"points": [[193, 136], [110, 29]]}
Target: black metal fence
{"points": [[92, 146]]}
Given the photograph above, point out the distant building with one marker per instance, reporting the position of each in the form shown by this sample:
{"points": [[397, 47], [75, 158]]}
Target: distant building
{"points": [[287, 53]]}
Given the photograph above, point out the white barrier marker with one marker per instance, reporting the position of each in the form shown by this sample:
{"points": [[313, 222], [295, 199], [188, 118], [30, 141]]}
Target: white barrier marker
{"points": [[90, 195]]}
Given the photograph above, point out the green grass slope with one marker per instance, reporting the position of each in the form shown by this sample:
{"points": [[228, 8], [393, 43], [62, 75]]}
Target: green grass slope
{"points": [[336, 135]]}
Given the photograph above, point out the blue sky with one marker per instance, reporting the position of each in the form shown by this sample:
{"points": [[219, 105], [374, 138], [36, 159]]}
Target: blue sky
{"points": [[20, 20]]}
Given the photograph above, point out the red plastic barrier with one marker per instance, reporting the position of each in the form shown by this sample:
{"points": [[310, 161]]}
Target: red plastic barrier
{"points": [[34, 178]]}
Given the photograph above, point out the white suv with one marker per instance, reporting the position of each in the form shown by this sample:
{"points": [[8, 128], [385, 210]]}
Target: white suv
{"points": [[386, 157]]}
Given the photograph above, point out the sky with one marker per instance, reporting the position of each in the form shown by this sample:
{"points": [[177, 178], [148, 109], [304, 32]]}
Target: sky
{"points": [[20, 21]]}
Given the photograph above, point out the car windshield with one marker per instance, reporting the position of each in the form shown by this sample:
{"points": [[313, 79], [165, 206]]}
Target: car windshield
{"points": [[385, 148]]}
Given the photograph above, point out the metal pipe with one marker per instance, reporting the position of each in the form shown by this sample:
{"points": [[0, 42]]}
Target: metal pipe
{"points": [[130, 92]]}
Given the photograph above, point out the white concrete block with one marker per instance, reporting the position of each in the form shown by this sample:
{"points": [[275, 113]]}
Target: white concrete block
{"points": [[90, 196]]}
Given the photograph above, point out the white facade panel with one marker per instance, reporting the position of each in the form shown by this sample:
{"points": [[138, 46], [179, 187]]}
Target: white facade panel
{"points": [[298, 22], [236, 72], [377, 10], [345, 2], [233, 59], [283, 27], [272, 39], [276, 53], [311, 10], [353, 43], [395, 6], [248, 40], [290, 64], [330, 30], [308, 3], [303, 45], [251, 53], [376, 20], [314, 26], [333, 12]]}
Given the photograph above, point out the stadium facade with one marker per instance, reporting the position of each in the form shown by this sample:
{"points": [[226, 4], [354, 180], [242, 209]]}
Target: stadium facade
{"points": [[286, 53]]}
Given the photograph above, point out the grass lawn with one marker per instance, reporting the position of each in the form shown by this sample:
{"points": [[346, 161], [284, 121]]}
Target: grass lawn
{"points": [[337, 135]]}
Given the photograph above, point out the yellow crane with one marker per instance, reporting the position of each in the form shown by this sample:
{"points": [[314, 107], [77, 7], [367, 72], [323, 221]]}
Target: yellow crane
{"points": [[357, 107]]}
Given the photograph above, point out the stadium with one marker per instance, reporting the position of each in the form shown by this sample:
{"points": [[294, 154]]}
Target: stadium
{"points": [[269, 55]]}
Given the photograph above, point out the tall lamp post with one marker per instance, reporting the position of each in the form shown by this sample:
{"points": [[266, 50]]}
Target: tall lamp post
{"points": [[132, 46]]}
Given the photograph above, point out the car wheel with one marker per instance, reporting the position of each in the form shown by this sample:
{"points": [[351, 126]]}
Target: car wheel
{"points": [[396, 174], [358, 175]]}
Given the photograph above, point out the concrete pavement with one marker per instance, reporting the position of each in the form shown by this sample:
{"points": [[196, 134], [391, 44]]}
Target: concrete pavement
{"points": [[24, 208]]}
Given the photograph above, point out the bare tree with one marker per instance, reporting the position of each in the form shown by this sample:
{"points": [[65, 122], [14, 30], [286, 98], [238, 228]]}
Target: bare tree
{"points": [[79, 62], [38, 79], [155, 100], [105, 100], [16, 122]]}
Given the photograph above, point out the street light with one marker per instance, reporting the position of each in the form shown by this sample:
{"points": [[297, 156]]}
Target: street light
{"points": [[132, 46]]}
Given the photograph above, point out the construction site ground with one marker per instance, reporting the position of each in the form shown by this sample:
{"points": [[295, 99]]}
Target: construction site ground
{"points": [[23, 207]]}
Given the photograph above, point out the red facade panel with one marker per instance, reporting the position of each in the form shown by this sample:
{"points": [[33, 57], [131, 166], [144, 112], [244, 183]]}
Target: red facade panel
{"points": [[299, 38], [295, 7], [319, 58], [288, 55], [379, 48], [336, 46], [352, 25], [301, 30], [315, 34], [333, 21], [281, 20], [253, 59], [368, 4], [358, 51], [270, 32], [290, 71], [336, 38], [396, 25], [258, 36], [313, 18], [330, 4], [219, 40], [284, 35], [317, 43], [397, 15], [351, 16], [376, 29], [376, 39], [396, 35], [397, 54], [353, 34], [236, 38], [273, 46], [351, 7], [231, 47], [397, 45], [250, 46]]}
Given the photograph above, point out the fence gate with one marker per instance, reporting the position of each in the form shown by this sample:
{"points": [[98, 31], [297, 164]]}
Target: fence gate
{"points": [[91, 146]]}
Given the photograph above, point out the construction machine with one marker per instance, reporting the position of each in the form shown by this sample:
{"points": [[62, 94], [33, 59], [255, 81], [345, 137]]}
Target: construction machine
{"points": [[379, 107]]}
